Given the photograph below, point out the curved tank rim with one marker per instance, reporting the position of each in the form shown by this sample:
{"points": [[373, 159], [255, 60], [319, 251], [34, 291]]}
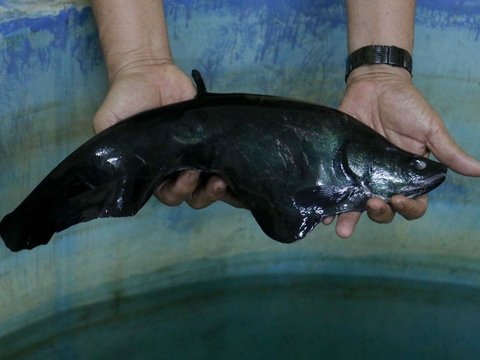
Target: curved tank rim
{"points": [[416, 269]]}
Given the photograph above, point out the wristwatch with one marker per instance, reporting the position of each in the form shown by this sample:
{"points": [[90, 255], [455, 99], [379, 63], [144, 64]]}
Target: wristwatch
{"points": [[379, 54]]}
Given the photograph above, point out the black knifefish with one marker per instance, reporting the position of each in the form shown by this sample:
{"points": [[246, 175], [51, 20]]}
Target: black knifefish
{"points": [[291, 163]]}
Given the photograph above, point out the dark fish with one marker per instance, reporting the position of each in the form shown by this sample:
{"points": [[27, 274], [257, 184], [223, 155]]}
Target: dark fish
{"points": [[291, 163]]}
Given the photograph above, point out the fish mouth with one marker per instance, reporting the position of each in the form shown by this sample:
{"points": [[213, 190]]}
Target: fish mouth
{"points": [[430, 183]]}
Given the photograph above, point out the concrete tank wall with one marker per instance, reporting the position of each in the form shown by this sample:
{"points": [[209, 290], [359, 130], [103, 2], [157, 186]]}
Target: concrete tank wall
{"points": [[53, 79]]}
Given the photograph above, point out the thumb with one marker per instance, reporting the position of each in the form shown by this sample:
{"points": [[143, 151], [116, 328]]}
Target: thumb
{"points": [[104, 118], [445, 149]]}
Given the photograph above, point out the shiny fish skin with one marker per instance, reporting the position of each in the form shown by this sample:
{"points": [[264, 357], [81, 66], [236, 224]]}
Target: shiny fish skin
{"points": [[291, 163]]}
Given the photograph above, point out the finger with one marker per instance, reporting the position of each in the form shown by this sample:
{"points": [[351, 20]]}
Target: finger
{"points": [[230, 198], [328, 220], [214, 190], [223, 193], [410, 209], [346, 224], [443, 146], [379, 211], [103, 119], [174, 192]]}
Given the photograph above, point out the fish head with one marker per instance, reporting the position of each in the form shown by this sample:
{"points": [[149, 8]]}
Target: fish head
{"points": [[384, 170]]}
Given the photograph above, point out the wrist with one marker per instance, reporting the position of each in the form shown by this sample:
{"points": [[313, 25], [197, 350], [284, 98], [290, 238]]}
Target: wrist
{"points": [[137, 61], [379, 73]]}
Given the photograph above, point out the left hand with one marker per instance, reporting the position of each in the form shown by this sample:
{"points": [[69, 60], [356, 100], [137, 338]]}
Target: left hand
{"points": [[384, 98], [139, 88]]}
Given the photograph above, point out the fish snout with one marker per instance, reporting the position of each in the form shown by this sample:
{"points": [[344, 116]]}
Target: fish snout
{"points": [[427, 175]]}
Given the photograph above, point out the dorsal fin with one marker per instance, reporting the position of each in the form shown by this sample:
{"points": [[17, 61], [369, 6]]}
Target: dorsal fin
{"points": [[199, 83]]}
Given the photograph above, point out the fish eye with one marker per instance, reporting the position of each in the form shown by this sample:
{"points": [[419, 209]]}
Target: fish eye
{"points": [[419, 164]]}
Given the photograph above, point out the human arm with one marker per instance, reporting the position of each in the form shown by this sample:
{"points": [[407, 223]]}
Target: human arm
{"points": [[384, 97], [142, 75]]}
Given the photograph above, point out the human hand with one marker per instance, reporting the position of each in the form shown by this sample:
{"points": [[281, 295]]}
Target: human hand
{"points": [[384, 98], [145, 86]]}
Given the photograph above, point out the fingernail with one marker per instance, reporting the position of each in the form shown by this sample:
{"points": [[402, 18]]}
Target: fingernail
{"points": [[219, 189]]}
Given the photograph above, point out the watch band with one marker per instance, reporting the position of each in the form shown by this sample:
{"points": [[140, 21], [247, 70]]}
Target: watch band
{"points": [[379, 54]]}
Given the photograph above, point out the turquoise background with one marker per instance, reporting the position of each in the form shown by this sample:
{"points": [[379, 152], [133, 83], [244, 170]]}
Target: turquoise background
{"points": [[52, 80]]}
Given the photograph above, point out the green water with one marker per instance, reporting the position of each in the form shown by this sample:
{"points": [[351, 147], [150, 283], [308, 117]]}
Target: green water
{"points": [[270, 317]]}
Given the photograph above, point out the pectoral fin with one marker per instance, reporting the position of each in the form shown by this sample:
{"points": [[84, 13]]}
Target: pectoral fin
{"points": [[330, 200], [284, 223]]}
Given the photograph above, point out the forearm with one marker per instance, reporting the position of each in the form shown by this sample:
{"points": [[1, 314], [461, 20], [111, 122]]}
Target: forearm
{"points": [[132, 33], [380, 22]]}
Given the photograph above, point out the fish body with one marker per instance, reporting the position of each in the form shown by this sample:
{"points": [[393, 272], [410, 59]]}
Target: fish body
{"points": [[291, 163]]}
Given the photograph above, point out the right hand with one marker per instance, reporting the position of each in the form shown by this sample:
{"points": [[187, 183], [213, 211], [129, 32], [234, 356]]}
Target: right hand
{"points": [[384, 98], [138, 88]]}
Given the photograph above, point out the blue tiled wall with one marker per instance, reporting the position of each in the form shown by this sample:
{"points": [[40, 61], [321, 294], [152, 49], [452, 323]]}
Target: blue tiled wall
{"points": [[52, 79]]}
